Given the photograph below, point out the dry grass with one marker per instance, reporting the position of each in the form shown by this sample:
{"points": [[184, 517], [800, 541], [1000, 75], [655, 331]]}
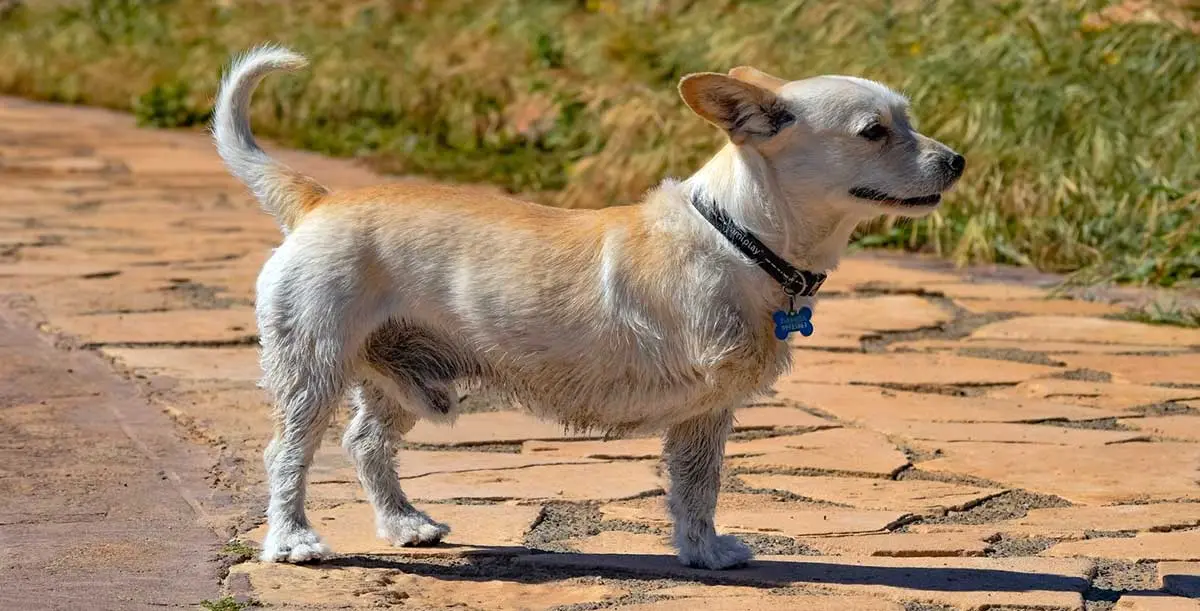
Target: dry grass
{"points": [[1080, 131]]}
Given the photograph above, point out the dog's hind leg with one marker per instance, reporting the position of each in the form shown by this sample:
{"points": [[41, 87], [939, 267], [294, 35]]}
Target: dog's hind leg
{"points": [[694, 450], [305, 399], [379, 422], [307, 327]]}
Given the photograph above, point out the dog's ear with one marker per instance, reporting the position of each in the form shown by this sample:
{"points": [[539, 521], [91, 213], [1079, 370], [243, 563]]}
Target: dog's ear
{"points": [[744, 110], [754, 76]]}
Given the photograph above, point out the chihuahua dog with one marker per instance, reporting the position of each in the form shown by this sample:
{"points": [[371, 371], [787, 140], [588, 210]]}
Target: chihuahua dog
{"points": [[654, 317]]}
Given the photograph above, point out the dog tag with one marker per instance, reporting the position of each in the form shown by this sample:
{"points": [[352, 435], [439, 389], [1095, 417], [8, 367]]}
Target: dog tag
{"points": [[787, 323]]}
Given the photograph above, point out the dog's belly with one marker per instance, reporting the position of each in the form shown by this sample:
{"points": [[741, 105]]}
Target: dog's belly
{"points": [[586, 393]]}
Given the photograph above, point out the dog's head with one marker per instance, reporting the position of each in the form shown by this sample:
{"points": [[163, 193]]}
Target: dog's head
{"points": [[840, 140]]}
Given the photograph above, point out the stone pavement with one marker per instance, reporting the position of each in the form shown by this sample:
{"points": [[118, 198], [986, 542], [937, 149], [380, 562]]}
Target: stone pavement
{"points": [[945, 440], [98, 499]]}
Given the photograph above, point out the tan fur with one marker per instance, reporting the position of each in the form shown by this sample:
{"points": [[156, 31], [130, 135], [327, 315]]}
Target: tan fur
{"points": [[757, 77], [303, 196], [550, 251]]}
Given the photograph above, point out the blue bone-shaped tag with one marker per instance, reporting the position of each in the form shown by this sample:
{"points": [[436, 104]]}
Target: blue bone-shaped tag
{"points": [[790, 322]]}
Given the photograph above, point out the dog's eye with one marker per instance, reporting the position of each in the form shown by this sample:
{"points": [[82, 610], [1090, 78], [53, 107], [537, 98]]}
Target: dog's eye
{"points": [[874, 132]]}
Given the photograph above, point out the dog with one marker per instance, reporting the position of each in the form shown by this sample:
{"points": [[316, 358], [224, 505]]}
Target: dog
{"points": [[630, 319]]}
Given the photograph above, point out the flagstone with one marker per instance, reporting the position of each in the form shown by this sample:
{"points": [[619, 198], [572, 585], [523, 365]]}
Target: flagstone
{"points": [[1042, 583], [863, 404], [1106, 395], [490, 427], [349, 530], [323, 587], [909, 369], [1077, 521], [1181, 368], [171, 327], [901, 545], [1182, 545], [1087, 329], [846, 450], [1092, 475], [763, 514], [590, 482], [911, 496]]}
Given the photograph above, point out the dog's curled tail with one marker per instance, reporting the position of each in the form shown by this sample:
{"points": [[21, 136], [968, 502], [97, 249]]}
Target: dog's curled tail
{"points": [[283, 192]]}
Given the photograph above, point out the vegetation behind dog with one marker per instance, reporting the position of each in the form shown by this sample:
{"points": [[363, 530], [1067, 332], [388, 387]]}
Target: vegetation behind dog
{"points": [[1080, 130]]}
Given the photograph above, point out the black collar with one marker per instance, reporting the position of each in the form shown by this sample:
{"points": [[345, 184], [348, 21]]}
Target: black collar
{"points": [[795, 282]]}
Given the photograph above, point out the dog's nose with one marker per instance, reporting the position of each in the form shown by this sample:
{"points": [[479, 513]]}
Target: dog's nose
{"points": [[957, 164]]}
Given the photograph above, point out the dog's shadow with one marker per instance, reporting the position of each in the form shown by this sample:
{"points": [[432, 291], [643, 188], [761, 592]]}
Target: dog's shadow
{"points": [[548, 567]]}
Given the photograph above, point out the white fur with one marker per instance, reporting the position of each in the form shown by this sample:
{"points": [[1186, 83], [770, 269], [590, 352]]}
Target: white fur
{"points": [[231, 124]]}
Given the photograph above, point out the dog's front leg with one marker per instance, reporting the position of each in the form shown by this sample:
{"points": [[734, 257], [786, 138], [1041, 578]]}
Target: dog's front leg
{"points": [[694, 451]]}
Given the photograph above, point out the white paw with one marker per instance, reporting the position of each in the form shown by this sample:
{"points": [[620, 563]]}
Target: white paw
{"points": [[411, 529], [715, 553], [301, 545]]}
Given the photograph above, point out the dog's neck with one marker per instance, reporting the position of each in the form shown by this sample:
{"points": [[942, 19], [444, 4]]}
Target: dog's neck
{"points": [[741, 183]]}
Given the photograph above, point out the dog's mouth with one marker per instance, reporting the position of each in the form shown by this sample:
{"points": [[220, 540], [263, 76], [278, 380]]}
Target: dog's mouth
{"points": [[880, 197]]}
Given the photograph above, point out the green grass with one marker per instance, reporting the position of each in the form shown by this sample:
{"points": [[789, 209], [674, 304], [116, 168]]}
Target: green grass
{"points": [[1169, 312], [225, 604], [1082, 142], [238, 551]]}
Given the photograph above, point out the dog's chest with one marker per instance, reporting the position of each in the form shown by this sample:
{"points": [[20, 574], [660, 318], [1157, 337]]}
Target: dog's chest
{"points": [[756, 363]]}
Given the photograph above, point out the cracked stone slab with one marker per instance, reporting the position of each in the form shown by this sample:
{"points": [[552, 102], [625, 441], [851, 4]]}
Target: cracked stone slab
{"points": [[751, 418], [170, 160], [911, 496], [868, 272], [863, 404], [102, 294], [737, 598], [589, 482], [333, 466], [902, 545], [625, 449], [962, 583], [914, 368], [774, 417], [1141, 369], [323, 587], [1038, 307], [172, 327], [1181, 545], [848, 450], [1074, 522], [55, 269], [1104, 395], [236, 414], [842, 323], [491, 427], [1003, 432], [1049, 348], [475, 530], [621, 542], [706, 591], [240, 364], [993, 291], [1087, 330], [1175, 427], [756, 513], [61, 165], [1093, 475]]}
